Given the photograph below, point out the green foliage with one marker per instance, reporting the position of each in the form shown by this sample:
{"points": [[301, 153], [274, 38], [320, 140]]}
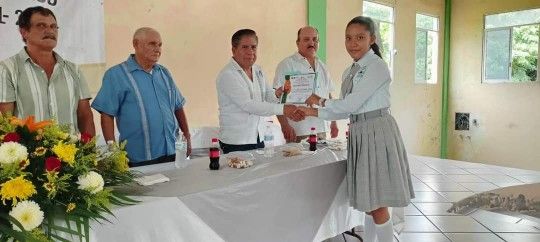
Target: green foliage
{"points": [[59, 195], [525, 53]]}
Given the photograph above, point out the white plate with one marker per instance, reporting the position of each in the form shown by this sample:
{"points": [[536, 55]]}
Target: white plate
{"points": [[244, 155]]}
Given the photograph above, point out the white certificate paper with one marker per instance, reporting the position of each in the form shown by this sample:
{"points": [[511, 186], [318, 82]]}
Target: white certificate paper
{"points": [[302, 86]]}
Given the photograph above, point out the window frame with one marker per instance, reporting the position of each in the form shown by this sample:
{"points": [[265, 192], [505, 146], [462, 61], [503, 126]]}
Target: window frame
{"points": [[508, 80], [378, 22], [437, 32]]}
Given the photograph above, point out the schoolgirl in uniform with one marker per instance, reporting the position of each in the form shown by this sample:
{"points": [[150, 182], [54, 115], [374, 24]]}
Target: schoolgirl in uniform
{"points": [[378, 173]]}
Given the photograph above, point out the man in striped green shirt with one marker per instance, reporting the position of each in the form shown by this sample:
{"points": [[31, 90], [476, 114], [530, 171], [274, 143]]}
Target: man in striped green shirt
{"points": [[38, 82]]}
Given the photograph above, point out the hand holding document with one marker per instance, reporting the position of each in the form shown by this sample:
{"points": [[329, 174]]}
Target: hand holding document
{"points": [[297, 88]]}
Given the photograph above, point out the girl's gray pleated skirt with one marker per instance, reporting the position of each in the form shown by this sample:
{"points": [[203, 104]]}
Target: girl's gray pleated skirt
{"points": [[378, 172]]}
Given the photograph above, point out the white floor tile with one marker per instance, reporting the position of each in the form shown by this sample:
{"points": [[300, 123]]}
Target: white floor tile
{"points": [[412, 210], [479, 186], [428, 197], [466, 165], [455, 196], [351, 238], [422, 237], [483, 171], [453, 171], [502, 227], [483, 216], [418, 224], [527, 178], [528, 222], [465, 178], [415, 179], [421, 187], [507, 184], [435, 208], [457, 224], [520, 237], [473, 178], [446, 187], [473, 237], [432, 178], [498, 178], [516, 171], [418, 165], [424, 171], [441, 165]]}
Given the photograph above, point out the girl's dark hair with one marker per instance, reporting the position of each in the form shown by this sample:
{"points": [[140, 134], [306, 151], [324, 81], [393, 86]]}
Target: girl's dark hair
{"points": [[370, 26]]}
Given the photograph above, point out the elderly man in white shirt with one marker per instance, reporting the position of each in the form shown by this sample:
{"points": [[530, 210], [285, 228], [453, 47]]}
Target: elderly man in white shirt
{"points": [[302, 62], [244, 97]]}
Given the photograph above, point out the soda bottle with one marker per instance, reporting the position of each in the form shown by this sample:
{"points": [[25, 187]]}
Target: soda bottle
{"points": [[214, 155], [312, 140]]}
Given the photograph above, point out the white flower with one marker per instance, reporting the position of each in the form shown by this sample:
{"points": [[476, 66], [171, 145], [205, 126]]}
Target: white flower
{"points": [[91, 181], [73, 138], [28, 213], [11, 152]]}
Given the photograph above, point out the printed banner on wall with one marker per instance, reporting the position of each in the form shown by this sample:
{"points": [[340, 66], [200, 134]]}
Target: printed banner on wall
{"points": [[81, 28]]}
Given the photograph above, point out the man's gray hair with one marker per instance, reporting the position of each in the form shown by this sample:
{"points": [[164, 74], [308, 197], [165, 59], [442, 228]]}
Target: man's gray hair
{"points": [[140, 32]]}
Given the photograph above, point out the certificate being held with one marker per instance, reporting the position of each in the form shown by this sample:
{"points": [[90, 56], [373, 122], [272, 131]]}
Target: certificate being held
{"points": [[297, 88]]}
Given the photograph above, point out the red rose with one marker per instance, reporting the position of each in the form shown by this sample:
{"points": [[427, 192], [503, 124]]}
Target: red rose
{"points": [[86, 137], [13, 137], [52, 164]]}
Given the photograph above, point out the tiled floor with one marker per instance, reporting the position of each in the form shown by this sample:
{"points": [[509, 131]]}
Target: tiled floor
{"points": [[439, 182]]}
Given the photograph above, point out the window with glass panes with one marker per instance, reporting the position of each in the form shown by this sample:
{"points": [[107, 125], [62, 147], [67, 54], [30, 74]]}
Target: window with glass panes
{"points": [[383, 16], [426, 49], [511, 44]]}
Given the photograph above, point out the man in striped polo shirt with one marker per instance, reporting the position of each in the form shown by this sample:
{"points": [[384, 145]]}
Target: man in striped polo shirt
{"points": [[39, 82], [143, 98]]}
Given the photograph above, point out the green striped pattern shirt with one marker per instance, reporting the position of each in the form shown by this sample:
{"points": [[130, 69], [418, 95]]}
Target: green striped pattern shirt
{"points": [[25, 83]]}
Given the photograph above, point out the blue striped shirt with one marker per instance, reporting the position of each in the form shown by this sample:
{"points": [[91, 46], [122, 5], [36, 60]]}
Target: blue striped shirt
{"points": [[143, 104]]}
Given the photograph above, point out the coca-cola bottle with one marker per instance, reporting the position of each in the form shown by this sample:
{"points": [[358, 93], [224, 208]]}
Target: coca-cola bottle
{"points": [[214, 155], [312, 140]]}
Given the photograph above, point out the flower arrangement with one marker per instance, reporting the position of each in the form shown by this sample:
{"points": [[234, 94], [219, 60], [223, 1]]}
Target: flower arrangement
{"points": [[53, 183]]}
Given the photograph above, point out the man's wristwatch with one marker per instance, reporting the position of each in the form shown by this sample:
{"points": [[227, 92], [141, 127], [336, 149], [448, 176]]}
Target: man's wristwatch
{"points": [[321, 102]]}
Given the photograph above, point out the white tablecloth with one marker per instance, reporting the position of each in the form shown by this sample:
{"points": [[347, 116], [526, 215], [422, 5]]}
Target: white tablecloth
{"points": [[300, 198]]}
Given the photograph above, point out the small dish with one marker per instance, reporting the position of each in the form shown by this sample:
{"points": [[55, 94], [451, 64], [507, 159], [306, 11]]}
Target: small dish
{"points": [[239, 159]]}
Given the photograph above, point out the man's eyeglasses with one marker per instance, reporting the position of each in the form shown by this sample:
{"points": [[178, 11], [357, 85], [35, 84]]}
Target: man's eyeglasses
{"points": [[43, 26]]}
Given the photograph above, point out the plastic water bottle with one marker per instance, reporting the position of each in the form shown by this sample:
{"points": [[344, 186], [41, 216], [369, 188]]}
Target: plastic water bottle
{"points": [[268, 140], [181, 150]]}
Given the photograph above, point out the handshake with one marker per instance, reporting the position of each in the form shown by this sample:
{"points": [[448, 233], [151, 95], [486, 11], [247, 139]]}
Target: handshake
{"points": [[293, 112], [298, 113]]}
